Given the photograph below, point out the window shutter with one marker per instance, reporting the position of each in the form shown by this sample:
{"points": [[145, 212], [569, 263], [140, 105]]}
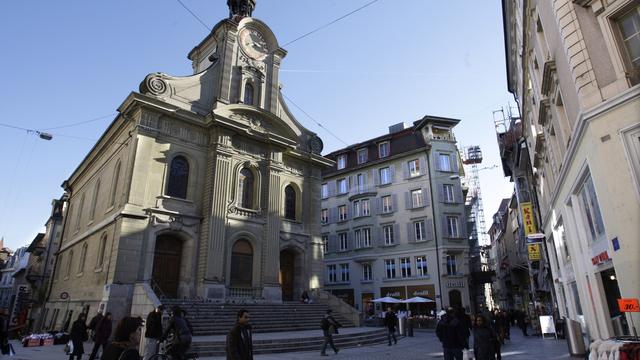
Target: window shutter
{"points": [[376, 208], [375, 173], [333, 240], [437, 162], [441, 197], [458, 196], [423, 166], [394, 203], [365, 178], [445, 228], [463, 227], [411, 232], [454, 162], [350, 240], [407, 200], [396, 234], [380, 236], [392, 172], [333, 215], [428, 229], [425, 196], [332, 188], [405, 170]]}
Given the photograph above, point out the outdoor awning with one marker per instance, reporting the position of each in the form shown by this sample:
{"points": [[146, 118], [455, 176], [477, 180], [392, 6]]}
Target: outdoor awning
{"points": [[417, 299], [387, 299]]}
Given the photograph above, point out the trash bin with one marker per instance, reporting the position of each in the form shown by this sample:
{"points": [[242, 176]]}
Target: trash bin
{"points": [[575, 341], [410, 324], [402, 326]]}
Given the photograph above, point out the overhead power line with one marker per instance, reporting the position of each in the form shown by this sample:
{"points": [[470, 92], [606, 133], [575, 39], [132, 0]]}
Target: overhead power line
{"points": [[314, 120], [80, 123], [194, 15], [331, 22]]}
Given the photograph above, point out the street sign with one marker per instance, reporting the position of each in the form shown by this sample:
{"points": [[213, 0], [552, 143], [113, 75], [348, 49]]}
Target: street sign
{"points": [[629, 305], [534, 252]]}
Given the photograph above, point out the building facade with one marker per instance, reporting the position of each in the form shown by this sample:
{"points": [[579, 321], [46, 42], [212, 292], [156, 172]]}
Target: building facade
{"points": [[573, 67], [196, 189], [393, 218]]}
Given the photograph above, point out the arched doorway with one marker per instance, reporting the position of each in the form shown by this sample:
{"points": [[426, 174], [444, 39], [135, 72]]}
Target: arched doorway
{"points": [[455, 299], [166, 264], [287, 271], [242, 264]]}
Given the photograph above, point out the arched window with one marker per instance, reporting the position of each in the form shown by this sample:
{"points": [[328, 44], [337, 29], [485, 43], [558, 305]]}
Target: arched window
{"points": [[178, 178], [79, 215], [114, 185], [68, 272], [101, 251], [241, 264], [58, 267], [94, 202], [248, 94], [289, 203], [83, 258], [245, 188]]}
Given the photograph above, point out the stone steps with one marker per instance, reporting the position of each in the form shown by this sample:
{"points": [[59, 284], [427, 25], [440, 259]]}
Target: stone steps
{"points": [[283, 345]]}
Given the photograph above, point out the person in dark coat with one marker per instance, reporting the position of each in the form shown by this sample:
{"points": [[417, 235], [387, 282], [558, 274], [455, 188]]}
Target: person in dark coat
{"points": [[390, 322], [467, 325], [329, 327], [239, 339], [101, 335], [126, 340], [93, 323], [153, 331], [181, 329], [484, 340], [450, 332], [78, 336]]}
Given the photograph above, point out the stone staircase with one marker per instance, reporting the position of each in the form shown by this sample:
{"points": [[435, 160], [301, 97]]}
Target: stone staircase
{"points": [[302, 341], [209, 318]]}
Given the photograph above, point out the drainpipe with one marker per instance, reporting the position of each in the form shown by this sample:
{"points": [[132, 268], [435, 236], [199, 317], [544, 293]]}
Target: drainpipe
{"points": [[435, 230]]}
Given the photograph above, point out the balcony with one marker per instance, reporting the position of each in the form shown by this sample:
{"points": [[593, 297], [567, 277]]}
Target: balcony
{"points": [[360, 191]]}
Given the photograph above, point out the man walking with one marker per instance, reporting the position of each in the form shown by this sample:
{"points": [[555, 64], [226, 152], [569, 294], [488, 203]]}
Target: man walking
{"points": [[93, 323], [329, 327], [391, 321], [239, 339], [153, 332], [101, 335], [451, 334]]}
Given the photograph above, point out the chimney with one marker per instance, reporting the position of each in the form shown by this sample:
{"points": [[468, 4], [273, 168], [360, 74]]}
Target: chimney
{"points": [[396, 128]]}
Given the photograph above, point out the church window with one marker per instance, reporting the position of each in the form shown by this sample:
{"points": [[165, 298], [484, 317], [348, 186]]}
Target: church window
{"points": [[101, 251], [289, 203], [83, 258], [79, 215], [178, 177], [241, 264], [114, 185], [248, 94], [245, 188], [68, 270], [94, 202]]}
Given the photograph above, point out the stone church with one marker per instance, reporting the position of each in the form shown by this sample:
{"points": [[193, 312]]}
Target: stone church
{"points": [[203, 186]]}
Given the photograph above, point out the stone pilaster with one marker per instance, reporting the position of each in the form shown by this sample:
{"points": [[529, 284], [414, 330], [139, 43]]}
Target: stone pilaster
{"points": [[271, 286]]}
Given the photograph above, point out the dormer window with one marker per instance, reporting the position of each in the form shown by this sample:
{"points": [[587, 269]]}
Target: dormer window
{"points": [[341, 162], [383, 149], [362, 156]]}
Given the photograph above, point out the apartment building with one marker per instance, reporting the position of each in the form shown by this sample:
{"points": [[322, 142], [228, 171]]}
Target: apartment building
{"points": [[574, 69], [393, 218]]}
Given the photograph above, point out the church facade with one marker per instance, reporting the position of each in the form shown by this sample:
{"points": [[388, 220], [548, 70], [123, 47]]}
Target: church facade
{"points": [[197, 188]]}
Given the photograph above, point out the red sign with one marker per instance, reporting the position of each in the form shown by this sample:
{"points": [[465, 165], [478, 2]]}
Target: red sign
{"points": [[33, 342], [600, 258], [48, 342], [629, 305]]}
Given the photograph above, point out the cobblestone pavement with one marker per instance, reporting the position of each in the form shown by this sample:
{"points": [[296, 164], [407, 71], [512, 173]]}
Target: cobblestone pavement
{"points": [[424, 345]]}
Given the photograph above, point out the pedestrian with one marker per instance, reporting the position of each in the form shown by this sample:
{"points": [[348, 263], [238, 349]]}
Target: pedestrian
{"points": [[181, 329], [93, 323], [239, 339], [391, 321], [484, 340], [153, 331], [126, 340], [101, 335], [522, 322], [78, 336], [467, 325], [329, 327], [304, 297], [450, 333]]}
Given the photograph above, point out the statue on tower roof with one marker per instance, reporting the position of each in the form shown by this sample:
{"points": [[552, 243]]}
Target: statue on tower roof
{"points": [[239, 9]]}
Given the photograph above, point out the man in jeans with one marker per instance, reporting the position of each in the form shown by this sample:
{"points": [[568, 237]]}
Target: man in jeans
{"points": [[329, 327], [450, 331], [153, 331], [391, 321]]}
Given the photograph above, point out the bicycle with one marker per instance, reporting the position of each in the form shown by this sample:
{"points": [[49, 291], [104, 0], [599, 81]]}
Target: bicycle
{"points": [[162, 355]]}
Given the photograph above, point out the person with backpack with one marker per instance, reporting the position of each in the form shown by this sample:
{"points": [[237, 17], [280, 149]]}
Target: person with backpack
{"points": [[329, 327], [450, 332], [390, 322], [182, 330]]}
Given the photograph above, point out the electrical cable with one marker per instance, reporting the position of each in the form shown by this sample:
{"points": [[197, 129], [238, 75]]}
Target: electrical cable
{"points": [[194, 15], [330, 23], [81, 122], [314, 120]]}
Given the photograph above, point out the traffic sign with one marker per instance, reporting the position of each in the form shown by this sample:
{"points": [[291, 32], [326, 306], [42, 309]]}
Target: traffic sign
{"points": [[64, 295]]}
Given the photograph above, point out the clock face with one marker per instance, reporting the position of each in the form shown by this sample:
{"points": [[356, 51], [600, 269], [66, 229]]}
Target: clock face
{"points": [[253, 44]]}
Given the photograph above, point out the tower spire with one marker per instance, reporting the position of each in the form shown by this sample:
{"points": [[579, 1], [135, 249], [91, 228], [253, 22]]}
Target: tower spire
{"points": [[239, 9]]}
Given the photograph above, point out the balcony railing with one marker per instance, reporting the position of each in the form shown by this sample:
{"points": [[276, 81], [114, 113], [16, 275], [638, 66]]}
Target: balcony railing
{"points": [[244, 292]]}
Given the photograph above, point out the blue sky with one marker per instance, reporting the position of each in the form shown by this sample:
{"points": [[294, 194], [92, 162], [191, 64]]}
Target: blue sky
{"points": [[71, 61]]}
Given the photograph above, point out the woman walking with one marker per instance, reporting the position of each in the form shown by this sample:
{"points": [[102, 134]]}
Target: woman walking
{"points": [[78, 336], [484, 340]]}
